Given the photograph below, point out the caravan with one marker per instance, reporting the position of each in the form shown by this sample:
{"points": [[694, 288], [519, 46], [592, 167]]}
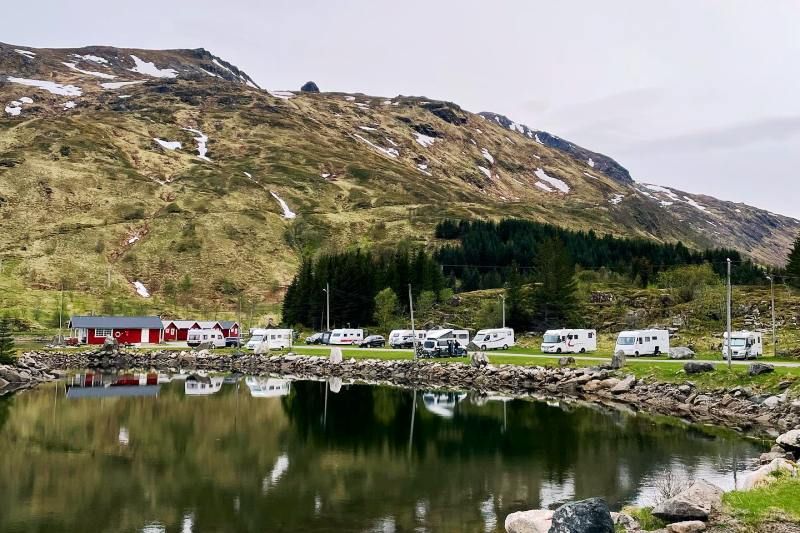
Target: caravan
{"points": [[213, 337], [274, 339], [346, 336], [643, 342], [569, 341], [445, 343], [493, 339], [404, 338], [743, 345]]}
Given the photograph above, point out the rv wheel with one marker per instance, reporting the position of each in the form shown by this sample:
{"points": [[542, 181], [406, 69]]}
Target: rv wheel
{"points": [[558, 350], [636, 354], [658, 351], [483, 347], [505, 346], [583, 350]]}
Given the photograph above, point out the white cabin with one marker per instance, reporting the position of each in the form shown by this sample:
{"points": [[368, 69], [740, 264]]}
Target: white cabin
{"points": [[743, 345], [494, 339], [196, 337], [643, 342], [569, 341]]}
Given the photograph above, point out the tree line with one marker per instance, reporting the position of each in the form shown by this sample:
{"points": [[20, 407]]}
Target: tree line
{"points": [[486, 252]]}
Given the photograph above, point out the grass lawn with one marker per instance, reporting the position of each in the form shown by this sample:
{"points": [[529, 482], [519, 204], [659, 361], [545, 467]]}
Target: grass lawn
{"points": [[779, 500]]}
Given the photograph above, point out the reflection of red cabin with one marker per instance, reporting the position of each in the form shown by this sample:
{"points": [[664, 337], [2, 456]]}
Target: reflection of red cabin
{"points": [[125, 329], [178, 330]]}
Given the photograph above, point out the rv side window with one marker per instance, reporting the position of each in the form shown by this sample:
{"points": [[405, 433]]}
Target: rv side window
{"points": [[591, 334], [640, 340]]}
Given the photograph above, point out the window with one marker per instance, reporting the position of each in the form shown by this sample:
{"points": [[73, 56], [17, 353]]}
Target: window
{"points": [[647, 339], [591, 334], [640, 340], [103, 332]]}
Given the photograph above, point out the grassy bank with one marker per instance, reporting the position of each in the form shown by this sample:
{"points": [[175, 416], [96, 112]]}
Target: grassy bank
{"points": [[779, 501]]}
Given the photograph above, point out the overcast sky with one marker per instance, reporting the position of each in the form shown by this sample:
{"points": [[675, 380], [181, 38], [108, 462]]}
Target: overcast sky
{"points": [[697, 94]]}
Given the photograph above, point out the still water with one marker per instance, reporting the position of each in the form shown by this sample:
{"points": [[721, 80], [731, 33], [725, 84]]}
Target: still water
{"points": [[137, 453]]}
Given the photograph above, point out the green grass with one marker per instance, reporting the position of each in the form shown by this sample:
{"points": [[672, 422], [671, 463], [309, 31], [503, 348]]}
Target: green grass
{"points": [[779, 500], [645, 517]]}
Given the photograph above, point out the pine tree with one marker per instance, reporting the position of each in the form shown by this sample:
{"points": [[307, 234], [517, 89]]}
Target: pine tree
{"points": [[555, 295], [6, 342], [793, 266]]}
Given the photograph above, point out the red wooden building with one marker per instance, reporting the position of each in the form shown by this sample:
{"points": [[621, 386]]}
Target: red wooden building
{"points": [[125, 329], [178, 330]]}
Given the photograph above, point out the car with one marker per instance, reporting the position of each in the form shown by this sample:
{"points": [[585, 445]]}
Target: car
{"points": [[316, 338], [233, 342], [373, 341]]}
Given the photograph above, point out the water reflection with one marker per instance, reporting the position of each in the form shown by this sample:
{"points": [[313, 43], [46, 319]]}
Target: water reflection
{"points": [[321, 456]]}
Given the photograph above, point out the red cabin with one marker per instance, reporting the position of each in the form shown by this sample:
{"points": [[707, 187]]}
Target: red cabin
{"points": [[125, 329], [178, 330]]}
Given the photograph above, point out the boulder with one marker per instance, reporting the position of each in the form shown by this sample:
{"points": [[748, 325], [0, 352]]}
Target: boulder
{"points": [[694, 503], [790, 440], [537, 521], [625, 521], [585, 516], [772, 402], [765, 475], [309, 87], [756, 369], [625, 385], [693, 367], [336, 355], [691, 526], [618, 360], [681, 352], [479, 359], [566, 361], [10, 375]]}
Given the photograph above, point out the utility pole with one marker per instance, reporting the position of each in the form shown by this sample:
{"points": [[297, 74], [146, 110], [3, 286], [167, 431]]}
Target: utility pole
{"points": [[413, 331], [327, 291], [730, 357], [60, 317], [503, 298], [772, 297]]}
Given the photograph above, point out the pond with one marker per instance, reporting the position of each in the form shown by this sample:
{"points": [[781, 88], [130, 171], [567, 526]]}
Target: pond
{"points": [[157, 453]]}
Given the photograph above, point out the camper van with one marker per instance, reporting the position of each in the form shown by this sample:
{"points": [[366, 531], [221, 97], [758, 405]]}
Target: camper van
{"points": [[275, 339], [743, 345], [461, 335], [494, 339], [643, 342], [404, 338], [196, 337], [445, 343], [569, 341], [256, 336], [346, 336]]}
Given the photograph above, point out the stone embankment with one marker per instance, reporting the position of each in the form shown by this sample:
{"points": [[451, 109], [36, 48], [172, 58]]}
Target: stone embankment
{"points": [[736, 407]]}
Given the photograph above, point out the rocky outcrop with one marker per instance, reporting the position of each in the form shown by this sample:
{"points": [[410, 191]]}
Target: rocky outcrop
{"points": [[585, 516], [695, 503], [790, 440], [766, 474], [756, 369], [26, 372], [681, 352], [536, 521], [309, 87]]}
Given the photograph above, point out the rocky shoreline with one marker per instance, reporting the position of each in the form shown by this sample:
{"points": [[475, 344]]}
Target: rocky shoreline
{"points": [[736, 408]]}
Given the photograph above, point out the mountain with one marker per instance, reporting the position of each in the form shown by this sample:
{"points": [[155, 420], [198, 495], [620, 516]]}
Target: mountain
{"points": [[148, 166]]}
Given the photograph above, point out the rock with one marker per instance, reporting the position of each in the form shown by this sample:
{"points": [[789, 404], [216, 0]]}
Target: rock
{"points": [[618, 360], [585, 516], [336, 355], [691, 526], [3, 383], [566, 361], [790, 440], [625, 385], [772, 402], [694, 503], [309, 87], [756, 369], [681, 352], [537, 521], [626, 521], [766, 458], [693, 367], [764, 475], [479, 360]]}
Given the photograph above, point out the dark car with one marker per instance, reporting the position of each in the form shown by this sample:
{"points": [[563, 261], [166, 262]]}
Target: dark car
{"points": [[318, 338], [233, 342], [373, 341]]}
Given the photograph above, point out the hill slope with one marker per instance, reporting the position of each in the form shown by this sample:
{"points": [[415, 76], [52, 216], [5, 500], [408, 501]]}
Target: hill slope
{"points": [[137, 165]]}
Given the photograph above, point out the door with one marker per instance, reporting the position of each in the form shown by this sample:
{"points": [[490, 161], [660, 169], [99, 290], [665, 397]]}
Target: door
{"points": [[145, 335]]}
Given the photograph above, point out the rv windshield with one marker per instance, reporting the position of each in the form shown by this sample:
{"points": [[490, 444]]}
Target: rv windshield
{"points": [[257, 338], [429, 344], [551, 339], [737, 342], [626, 341]]}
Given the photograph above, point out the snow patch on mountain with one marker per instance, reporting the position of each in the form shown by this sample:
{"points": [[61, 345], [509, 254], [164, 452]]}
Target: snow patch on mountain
{"points": [[94, 59], [486, 171], [120, 84], [590, 162], [694, 203], [148, 68], [141, 290], [14, 108], [486, 155], [391, 152], [658, 188], [616, 199], [283, 95], [69, 105], [555, 182], [425, 140], [287, 213], [49, 86], [201, 140], [544, 186], [168, 145], [74, 66], [26, 53]]}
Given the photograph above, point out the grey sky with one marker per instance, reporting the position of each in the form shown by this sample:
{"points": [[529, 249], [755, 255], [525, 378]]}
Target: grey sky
{"points": [[699, 95]]}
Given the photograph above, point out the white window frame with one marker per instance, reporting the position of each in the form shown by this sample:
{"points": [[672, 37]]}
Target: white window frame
{"points": [[103, 332]]}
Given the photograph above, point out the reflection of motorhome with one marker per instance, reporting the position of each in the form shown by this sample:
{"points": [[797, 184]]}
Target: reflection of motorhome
{"points": [[569, 341], [197, 385], [267, 387], [492, 339], [214, 337], [643, 342], [442, 403], [404, 338], [346, 336], [743, 345]]}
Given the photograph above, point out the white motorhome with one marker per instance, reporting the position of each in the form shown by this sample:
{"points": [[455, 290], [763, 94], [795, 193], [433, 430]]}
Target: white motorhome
{"points": [[569, 341], [346, 336], [256, 337], [461, 335], [643, 342], [273, 339], [196, 337], [404, 338], [743, 345], [493, 339]]}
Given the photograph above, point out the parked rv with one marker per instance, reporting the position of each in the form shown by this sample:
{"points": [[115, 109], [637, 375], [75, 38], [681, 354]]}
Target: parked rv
{"points": [[404, 338], [643, 342], [569, 341], [346, 336], [445, 343], [743, 345], [256, 336], [493, 339], [461, 335], [275, 339], [214, 337]]}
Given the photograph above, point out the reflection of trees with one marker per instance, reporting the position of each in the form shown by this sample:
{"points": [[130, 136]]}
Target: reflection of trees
{"points": [[5, 407], [239, 463]]}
